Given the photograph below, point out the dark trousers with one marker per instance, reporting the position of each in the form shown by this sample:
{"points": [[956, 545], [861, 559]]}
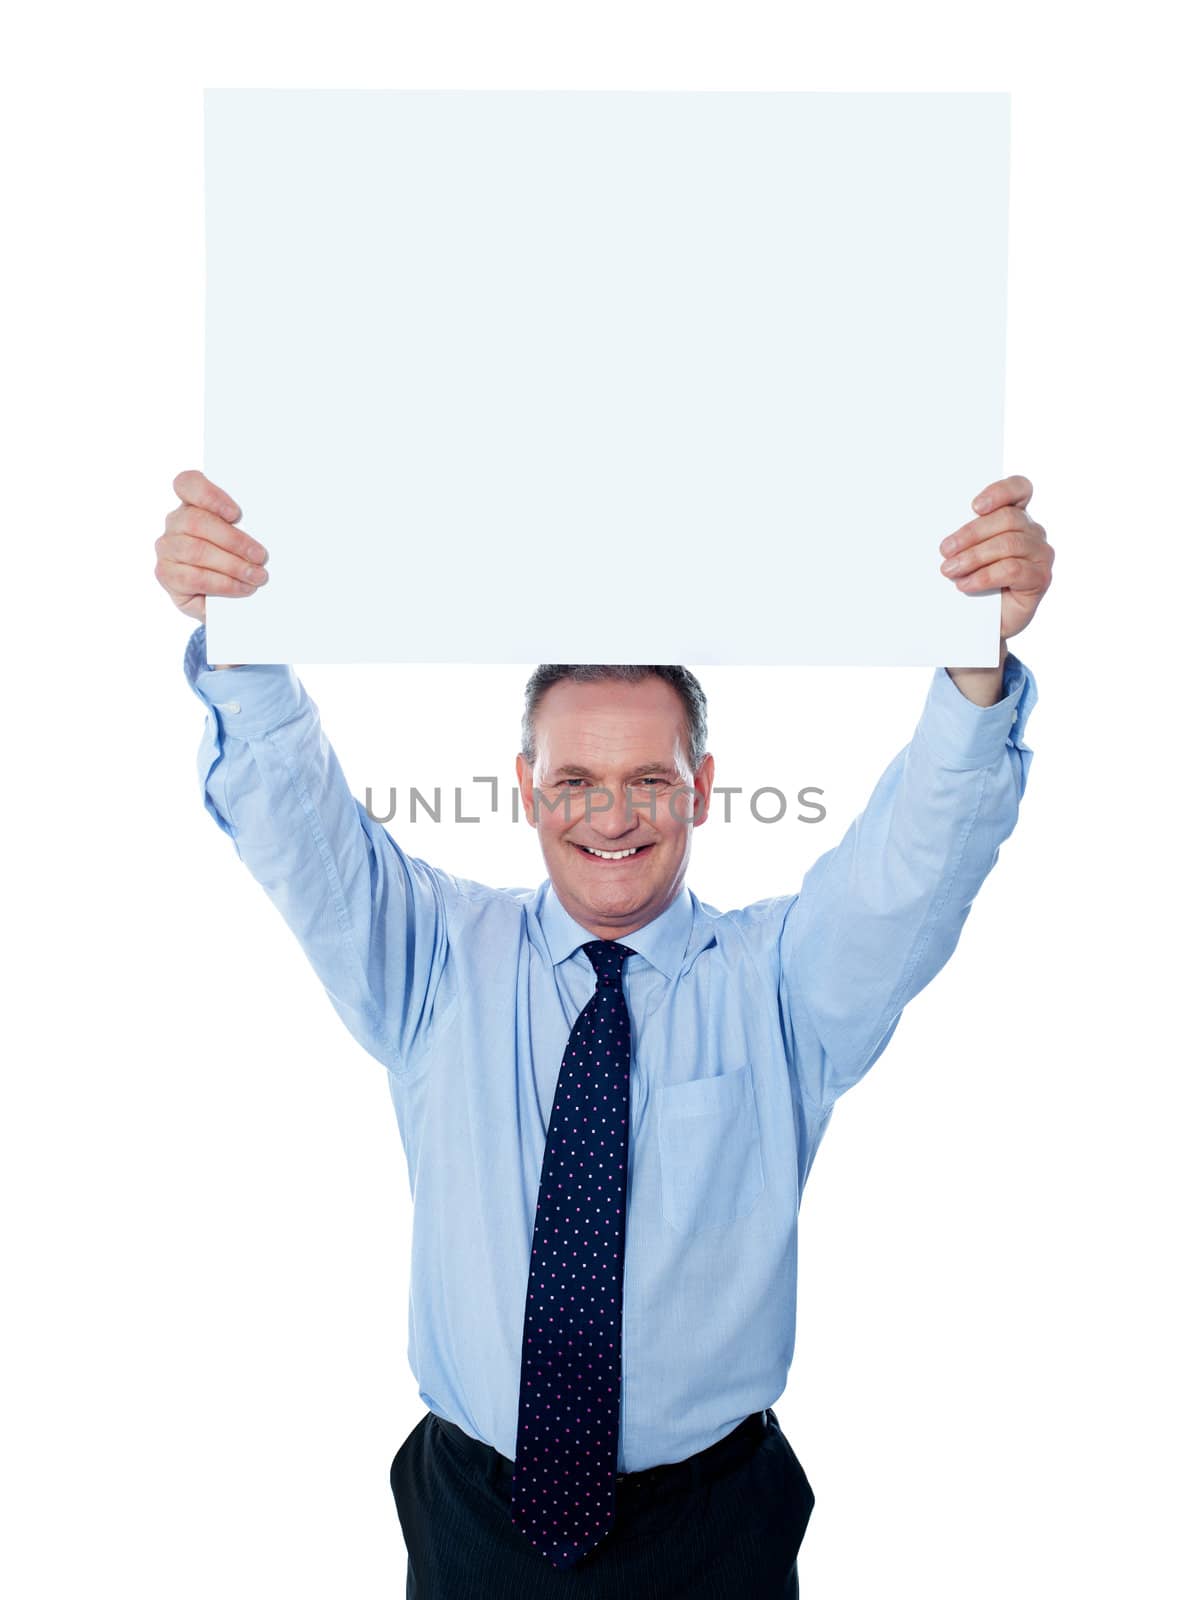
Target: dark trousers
{"points": [[725, 1522]]}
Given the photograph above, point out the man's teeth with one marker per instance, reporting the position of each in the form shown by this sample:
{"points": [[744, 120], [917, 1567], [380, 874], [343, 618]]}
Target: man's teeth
{"points": [[610, 855]]}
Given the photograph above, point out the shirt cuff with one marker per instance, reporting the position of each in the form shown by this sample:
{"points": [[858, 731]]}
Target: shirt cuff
{"points": [[963, 736], [243, 701]]}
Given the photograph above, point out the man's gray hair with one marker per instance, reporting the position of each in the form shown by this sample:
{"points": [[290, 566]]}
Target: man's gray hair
{"points": [[681, 679]]}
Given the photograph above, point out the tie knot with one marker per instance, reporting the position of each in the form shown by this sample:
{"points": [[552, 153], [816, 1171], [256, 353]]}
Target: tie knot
{"points": [[608, 958]]}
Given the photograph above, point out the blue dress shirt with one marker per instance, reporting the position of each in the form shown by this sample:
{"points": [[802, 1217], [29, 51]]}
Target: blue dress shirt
{"points": [[747, 1025]]}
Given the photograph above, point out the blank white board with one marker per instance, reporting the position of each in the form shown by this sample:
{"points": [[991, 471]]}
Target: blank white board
{"points": [[605, 376]]}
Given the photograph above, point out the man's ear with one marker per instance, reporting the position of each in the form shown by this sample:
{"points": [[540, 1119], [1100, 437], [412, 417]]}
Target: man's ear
{"points": [[526, 785], [704, 781]]}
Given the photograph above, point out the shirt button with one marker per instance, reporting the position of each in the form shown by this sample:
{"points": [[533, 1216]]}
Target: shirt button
{"points": [[1014, 717], [232, 705]]}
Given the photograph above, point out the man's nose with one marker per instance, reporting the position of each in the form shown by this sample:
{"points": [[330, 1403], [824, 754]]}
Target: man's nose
{"points": [[610, 812]]}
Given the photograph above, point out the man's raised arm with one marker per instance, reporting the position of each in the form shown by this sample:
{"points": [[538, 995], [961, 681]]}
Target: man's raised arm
{"points": [[371, 919], [878, 916]]}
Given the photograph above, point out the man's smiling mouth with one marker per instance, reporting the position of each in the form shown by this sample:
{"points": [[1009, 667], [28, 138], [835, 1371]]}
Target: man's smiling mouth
{"points": [[613, 855]]}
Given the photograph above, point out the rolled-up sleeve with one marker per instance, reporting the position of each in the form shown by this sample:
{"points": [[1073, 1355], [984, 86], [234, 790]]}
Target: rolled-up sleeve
{"points": [[880, 914], [371, 919]]}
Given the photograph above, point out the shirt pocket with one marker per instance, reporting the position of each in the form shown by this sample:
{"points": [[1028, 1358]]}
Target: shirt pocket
{"points": [[708, 1137]]}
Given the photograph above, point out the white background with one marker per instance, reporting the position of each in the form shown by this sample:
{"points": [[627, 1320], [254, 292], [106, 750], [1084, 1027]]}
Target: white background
{"points": [[205, 1202]]}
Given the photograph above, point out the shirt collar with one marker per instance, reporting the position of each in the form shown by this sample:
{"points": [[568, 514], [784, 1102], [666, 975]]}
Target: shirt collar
{"points": [[662, 942]]}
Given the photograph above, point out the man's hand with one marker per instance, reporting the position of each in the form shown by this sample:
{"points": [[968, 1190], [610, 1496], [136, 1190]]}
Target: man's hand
{"points": [[201, 551], [1002, 548]]}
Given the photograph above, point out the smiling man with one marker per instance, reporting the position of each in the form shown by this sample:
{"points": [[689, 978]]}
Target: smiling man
{"points": [[614, 777], [610, 1093]]}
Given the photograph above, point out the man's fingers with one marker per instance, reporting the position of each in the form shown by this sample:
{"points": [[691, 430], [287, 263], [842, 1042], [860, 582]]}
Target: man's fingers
{"points": [[201, 553], [195, 489], [181, 577], [1023, 543], [1012, 572], [208, 527], [183, 549], [969, 533], [1014, 491]]}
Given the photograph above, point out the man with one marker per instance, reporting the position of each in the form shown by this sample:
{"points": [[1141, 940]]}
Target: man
{"points": [[607, 1059]]}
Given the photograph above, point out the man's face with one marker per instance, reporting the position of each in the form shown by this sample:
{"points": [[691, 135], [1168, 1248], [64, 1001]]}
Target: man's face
{"points": [[611, 773]]}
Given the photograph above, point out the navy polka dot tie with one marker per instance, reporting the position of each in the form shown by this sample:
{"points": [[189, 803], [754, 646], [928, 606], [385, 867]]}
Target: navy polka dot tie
{"points": [[563, 1496]]}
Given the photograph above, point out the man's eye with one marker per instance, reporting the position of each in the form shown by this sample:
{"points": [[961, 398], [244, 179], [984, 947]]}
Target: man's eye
{"points": [[569, 780]]}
